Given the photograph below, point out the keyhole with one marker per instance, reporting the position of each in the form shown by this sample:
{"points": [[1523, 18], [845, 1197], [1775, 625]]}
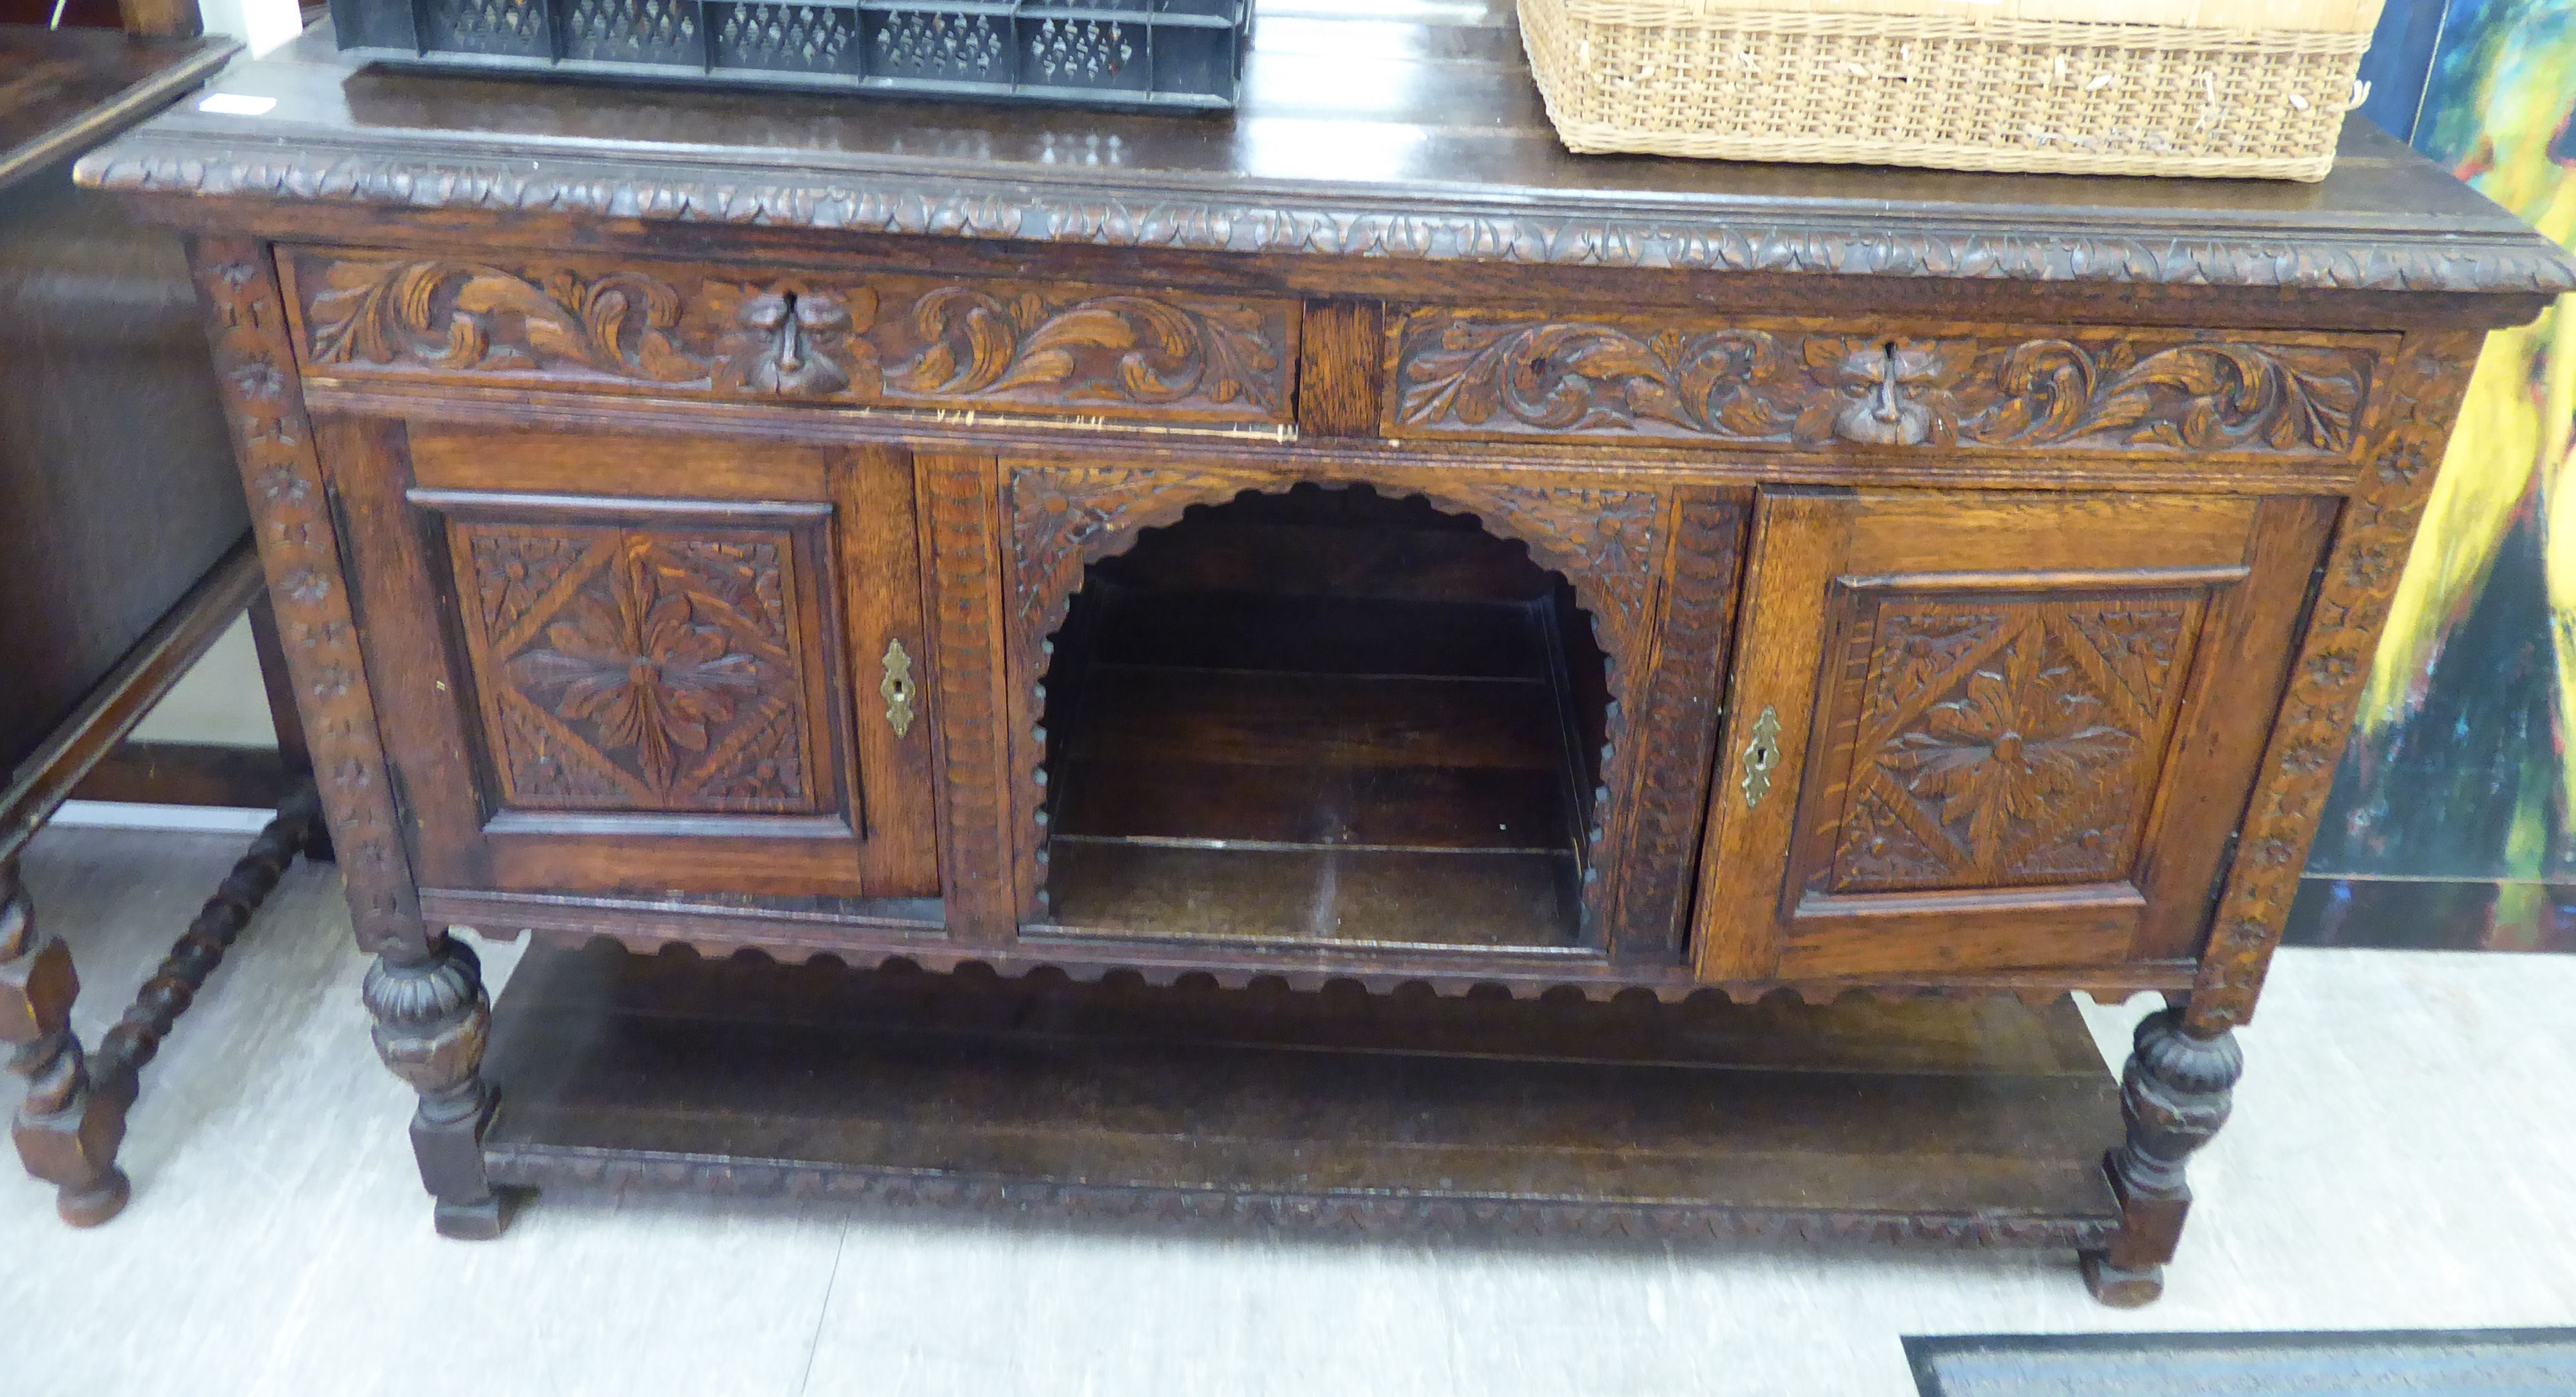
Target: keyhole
{"points": [[1889, 405], [791, 338]]}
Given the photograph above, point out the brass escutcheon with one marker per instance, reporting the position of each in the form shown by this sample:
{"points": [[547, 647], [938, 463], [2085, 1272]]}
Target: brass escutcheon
{"points": [[1760, 756], [897, 688]]}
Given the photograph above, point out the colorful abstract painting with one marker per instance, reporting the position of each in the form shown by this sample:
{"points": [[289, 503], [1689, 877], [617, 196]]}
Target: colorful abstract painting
{"points": [[2450, 823]]}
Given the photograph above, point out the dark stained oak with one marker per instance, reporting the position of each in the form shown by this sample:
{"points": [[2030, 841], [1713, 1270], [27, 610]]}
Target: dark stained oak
{"points": [[1393, 140], [877, 340], [1351, 552], [1340, 1110]]}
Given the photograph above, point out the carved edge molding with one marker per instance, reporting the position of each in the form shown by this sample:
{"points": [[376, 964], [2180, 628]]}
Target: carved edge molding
{"points": [[573, 1166], [273, 443], [2370, 550], [864, 946], [220, 165], [1605, 542], [1678, 721], [961, 520]]}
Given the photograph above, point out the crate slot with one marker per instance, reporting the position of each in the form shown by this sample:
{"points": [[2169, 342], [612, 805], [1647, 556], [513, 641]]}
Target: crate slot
{"points": [[1122, 53]]}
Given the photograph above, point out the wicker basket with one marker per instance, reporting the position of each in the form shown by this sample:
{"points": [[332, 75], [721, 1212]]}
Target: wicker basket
{"points": [[2174, 87]]}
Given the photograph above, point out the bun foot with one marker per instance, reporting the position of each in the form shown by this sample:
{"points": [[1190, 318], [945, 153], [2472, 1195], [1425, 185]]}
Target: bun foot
{"points": [[2122, 1290], [103, 1199], [470, 1222]]}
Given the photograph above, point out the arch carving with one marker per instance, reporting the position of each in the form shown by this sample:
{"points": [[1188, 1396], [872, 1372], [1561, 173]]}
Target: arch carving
{"points": [[1605, 542]]}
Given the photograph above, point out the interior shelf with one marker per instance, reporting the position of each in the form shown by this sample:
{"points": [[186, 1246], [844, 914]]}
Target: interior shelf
{"points": [[1376, 734]]}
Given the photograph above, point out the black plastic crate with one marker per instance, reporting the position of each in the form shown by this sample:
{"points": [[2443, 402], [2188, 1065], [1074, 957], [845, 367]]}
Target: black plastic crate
{"points": [[1115, 53]]}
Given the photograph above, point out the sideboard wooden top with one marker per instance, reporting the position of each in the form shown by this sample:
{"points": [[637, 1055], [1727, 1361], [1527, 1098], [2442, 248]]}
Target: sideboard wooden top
{"points": [[1417, 136]]}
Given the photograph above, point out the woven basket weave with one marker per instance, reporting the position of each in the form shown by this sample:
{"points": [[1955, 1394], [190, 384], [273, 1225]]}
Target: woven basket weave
{"points": [[1979, 91]]}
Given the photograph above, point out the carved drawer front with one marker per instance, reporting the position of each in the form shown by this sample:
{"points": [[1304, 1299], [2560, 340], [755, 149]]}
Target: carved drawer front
{"points": [[1989, 732], [1792, 383], [625, 664], [872, 339]]}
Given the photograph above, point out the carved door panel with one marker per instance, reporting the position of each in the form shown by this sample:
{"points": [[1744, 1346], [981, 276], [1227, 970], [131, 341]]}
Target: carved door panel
{"points": [[1983, 732], [630, 664]]}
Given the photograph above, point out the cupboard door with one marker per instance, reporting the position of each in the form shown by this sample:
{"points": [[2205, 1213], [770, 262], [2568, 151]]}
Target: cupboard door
{"points": [[620, 664], [1980, 732]]}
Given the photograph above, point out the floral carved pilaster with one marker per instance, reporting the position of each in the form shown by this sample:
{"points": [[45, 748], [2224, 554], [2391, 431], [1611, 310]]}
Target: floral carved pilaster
{"points": [[2174, 1096], [1650, 851], [300, 548], [432, 1019], [961, 526], [2370, 549]]}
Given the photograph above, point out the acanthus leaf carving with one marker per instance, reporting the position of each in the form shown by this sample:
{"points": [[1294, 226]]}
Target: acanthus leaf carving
{"points": [[887, 339], [1789, 385], [1158, 351], [476, 317], [1581, 377]]}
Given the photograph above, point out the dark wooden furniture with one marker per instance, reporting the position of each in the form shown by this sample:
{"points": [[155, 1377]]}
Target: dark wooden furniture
{"points": [[1352, 545], [126, 539]]}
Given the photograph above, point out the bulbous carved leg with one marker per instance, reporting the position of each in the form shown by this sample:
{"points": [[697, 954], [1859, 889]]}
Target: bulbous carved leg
{"points": [[65, 1134], [431, 1019], [2174, 1096]]}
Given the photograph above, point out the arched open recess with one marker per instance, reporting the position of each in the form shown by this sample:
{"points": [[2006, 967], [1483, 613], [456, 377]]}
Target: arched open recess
{"points": [[1598, 549]]}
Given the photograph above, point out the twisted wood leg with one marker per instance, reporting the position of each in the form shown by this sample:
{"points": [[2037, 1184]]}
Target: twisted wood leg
{"points": [[2174, 1096], [136, 1039], [65, 1134], [431, 1019]]}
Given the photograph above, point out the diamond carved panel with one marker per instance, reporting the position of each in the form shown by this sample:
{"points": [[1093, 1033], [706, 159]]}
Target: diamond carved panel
{"points": [[622, 669], [2007, 743]]}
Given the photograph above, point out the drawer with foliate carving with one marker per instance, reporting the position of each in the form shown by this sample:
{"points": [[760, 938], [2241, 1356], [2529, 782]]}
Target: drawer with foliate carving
{"points": [[852, 338], [1805, 384]]}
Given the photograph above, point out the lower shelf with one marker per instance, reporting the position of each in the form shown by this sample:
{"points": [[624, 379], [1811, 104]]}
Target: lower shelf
{"points": [[1974, 1122]]}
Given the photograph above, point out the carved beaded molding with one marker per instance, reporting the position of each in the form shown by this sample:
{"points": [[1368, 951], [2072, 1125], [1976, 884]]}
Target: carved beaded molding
{"points": [[300, 546], [958, 516], [2351, 607], [1255, 221]]}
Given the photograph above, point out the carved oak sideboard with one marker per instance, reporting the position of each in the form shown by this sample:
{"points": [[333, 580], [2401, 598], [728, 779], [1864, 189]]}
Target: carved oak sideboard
{"points": [[1350, 542]]}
